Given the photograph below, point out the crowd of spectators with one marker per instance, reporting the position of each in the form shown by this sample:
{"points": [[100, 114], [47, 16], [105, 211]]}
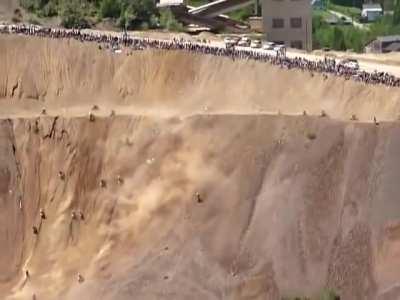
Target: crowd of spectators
{"points": [[116, 42]]}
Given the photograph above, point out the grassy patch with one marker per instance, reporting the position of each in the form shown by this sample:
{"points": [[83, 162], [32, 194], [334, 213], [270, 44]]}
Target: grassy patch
{"points": [[242, 14], [197, 2], [168, 21], [325, 294], [33, 20], [338, 37], [352, 12], [129, 14], [322, 14]]}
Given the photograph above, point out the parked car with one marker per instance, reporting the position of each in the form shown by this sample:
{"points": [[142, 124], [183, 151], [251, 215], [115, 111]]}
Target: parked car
{"points": [[350, 63], [235, 39], [279, 47], [243, 43], [255, 44], [345, 20], [229, 40], [268, 46]]}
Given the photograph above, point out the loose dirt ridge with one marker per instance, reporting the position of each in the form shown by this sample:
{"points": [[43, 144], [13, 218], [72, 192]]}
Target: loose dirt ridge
{"points": [[207, 183]]}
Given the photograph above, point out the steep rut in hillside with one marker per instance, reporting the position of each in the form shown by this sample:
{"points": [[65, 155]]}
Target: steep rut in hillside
{"points": [[10, 220], [287, 207]]}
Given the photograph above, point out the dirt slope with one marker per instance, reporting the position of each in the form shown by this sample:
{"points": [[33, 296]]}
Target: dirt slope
{"points": [[68, 74], [289, 204]]}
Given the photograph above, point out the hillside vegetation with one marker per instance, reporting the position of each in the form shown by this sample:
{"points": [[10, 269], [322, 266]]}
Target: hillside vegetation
{"points": [[345, 37], [129, 14]]}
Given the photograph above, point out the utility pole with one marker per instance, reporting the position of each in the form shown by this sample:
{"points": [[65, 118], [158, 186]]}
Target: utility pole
{"points": [[256, 4]]}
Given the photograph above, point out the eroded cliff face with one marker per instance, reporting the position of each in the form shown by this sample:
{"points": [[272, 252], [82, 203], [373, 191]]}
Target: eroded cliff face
{"points": [[287, 205]]}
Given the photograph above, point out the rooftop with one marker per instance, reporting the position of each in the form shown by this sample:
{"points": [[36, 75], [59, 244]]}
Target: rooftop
{"points": [[374, 6], [393, 47], [389, 38]]}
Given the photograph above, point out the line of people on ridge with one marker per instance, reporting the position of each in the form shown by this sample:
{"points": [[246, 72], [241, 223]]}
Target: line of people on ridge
{"points": [[116, 42]]}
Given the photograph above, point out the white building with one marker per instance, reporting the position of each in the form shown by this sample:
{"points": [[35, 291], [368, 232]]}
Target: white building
{"points": [[371, 12], [167, 3]]}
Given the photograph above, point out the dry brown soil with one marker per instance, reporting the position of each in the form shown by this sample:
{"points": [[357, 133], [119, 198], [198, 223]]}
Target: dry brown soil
{"points": [[290, 204]]}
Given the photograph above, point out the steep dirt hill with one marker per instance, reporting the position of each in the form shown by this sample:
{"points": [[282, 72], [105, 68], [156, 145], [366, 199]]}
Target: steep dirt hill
{"points": [[289, 205], [70, 74]]}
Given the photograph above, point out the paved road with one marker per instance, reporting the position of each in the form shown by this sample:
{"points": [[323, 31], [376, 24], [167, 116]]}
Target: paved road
{"points": [[364, 65], [355, 23]]}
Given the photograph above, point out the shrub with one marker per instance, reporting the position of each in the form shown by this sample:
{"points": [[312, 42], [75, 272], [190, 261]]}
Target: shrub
{"points": [[144, 26], [324, 295], [328, 295], [311, 136], [242, 14], [154, 21], [349, 3], [144, 11], [29, 5], [33, 20], [168, 21], [72, 16], [17, 16], [137, 14], [396, 13], [110, 9], [338, 39], [15, 19], [18, 12], [49, 10], [127, 18]]}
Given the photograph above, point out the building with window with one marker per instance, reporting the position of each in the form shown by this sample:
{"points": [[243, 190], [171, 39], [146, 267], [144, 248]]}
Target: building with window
{"points": [[371, 12], [288, 22], [384, 44]]}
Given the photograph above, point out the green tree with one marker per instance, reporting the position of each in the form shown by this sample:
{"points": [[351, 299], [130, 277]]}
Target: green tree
{"points": [[127, 13], [50, 9], [71, 15], [127, 18], [29, 5], [168, 21], [144, 10], [322, 33], [338, 39], [138, 14], [349, 3], [355, 39], [396, 13], [110, 8], [317, 22]]}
